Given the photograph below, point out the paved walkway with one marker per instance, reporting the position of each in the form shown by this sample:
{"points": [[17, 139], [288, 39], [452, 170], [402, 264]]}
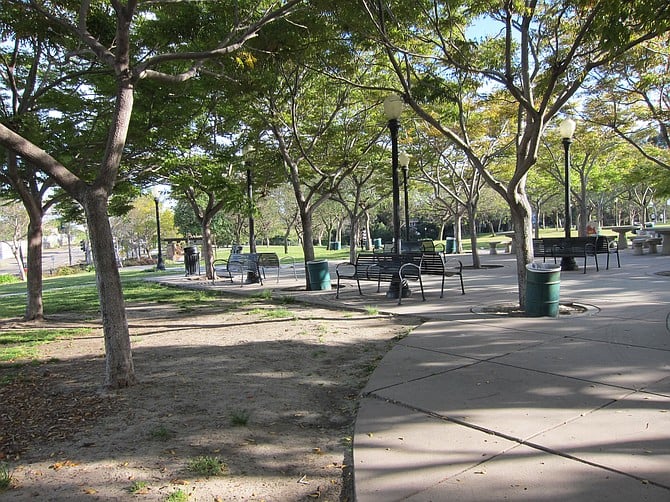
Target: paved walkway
{"points": [[479, 407]]}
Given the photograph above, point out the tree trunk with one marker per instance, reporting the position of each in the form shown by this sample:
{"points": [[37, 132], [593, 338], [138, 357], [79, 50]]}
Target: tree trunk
{"points": [[523, 241], [307, 242], [35, 304], [458, 232], [207, 248], [353, 238], [16, 251], [367, 230], [472, 219], [119, 370]]}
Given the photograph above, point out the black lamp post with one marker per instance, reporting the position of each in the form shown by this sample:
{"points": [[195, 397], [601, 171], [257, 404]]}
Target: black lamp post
{"points": [[567, 129], [250, 198], [393, 106], [252, 276], [404, 158], [159, 264]]}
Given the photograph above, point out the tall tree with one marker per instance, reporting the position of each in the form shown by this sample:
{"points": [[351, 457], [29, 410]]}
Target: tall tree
{"points": [[127, 43], [535, 54], [632, 98]]}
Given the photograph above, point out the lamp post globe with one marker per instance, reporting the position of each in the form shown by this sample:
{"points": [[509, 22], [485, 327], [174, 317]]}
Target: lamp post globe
{"points": [[567, 130]]}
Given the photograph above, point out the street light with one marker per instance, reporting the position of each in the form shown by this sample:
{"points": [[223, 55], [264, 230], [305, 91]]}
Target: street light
{"points": [[246, 151], [252, 276], [393, 106], [567, 129], [404, 158], [159, 264]]}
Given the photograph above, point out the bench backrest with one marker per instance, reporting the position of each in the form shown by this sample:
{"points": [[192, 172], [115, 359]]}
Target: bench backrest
{"points": [[270, 260], [237, 258], [364, 259], [592, 244], [432, 263], [538, 247], [602, 244]]}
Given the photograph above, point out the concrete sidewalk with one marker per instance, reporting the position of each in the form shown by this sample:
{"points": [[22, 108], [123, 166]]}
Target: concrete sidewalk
{"points": [[476, 406]]}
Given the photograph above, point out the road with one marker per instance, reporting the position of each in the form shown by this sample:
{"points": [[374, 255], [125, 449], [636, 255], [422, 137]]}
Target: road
{"points": [[51, 259]]}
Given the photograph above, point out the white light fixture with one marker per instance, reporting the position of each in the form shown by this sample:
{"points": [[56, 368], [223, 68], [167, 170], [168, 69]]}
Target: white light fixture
{"points": [[156, 192], [567, 128], [404, 158], [393, 105]]}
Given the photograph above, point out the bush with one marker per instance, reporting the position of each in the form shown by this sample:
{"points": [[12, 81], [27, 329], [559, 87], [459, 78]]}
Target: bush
{"points": [[70, 269], [129, 262], [8, 279]]}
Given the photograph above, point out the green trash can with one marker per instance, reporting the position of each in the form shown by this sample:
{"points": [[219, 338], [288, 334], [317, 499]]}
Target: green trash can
{"points": [[543, 285], [334, 246], [450, 245], [319, 276], [377, 243]]}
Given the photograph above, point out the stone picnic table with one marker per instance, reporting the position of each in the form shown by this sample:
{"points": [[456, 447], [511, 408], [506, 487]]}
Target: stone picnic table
{"points": [[621, 230]]}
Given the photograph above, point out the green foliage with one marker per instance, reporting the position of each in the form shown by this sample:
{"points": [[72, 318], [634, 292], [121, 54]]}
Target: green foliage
{"points": [[8, 279], [279, 313], [5, 477], [177, 496], [79, 294], [23, 344], [371, 310], [265, 294], [69, 270], [206, 466], [161, 433], [139, 487], [239, 418]]}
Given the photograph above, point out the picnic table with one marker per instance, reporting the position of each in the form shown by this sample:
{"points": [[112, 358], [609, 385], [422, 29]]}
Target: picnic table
{"points": [[621, 230], [664, 232]]}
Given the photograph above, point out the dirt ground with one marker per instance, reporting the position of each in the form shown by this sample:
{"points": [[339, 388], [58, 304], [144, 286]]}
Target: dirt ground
{"points": [[268, 390]]}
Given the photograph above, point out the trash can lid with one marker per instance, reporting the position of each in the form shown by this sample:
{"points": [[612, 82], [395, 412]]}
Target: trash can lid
{"points": [[543, 267]]}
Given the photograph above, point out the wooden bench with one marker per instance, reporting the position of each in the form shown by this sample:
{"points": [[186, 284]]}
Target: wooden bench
{"points": [[378, 267], [576, 247]]}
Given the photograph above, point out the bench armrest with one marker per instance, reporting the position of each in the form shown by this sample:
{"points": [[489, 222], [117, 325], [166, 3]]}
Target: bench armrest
{"points": [[287, 260], [345, 270], [453, 263], [409, 270]]}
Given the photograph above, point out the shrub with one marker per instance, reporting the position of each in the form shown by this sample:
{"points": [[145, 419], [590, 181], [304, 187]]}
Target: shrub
{"points": [[8, 279]]}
